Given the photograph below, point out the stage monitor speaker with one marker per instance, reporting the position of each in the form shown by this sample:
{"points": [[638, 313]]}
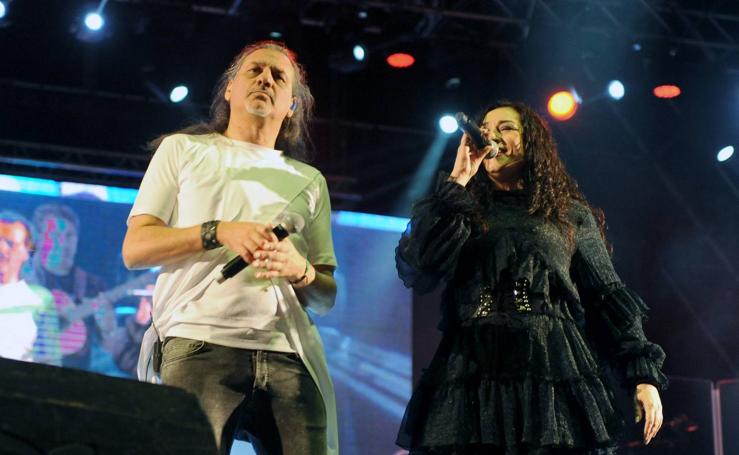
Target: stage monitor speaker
{"points": [[728, 398], [60, 411]]}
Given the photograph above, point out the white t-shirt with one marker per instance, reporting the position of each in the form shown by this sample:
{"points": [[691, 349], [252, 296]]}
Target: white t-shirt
{"points": [[18, 330], [196, 178]]}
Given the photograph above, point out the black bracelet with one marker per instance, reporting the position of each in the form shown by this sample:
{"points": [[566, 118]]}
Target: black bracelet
{"points": [[305, 274], [208, 235]]}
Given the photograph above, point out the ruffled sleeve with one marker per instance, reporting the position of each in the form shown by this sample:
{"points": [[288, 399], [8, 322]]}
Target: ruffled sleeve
{"points": [[429, 248], [615, 313]]}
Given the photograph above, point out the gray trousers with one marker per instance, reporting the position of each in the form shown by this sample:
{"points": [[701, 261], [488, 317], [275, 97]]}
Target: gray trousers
{"points": [[267, 395]]}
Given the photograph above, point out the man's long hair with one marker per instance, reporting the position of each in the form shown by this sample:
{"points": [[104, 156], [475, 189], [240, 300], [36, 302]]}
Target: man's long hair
{"points": [[293, 137], [551, 190]]}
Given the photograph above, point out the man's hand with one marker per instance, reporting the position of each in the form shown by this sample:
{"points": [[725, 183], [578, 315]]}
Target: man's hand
{"points": [[648, 405], [280, 259], [244, 238]]}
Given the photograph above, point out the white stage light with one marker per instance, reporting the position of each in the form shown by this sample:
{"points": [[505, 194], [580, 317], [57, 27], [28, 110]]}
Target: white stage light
{"points": [[94, 21], [448, 124], [725, 153], [359, 52], [178, 94], [616, 90]]}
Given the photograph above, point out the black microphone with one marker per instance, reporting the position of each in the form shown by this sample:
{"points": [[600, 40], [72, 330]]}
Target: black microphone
{"points": [[478, 140], [286, 224]]}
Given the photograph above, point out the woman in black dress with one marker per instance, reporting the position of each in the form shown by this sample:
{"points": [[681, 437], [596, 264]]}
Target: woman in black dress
{"points": [[532, 309]]}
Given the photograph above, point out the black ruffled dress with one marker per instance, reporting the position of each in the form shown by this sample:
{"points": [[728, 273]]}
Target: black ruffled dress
{"points": [[526, 318]]}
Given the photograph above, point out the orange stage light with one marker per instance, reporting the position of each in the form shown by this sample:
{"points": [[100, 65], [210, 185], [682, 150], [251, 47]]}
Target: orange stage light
{"points": [[400, 60], [667, 91], [562, 105]]}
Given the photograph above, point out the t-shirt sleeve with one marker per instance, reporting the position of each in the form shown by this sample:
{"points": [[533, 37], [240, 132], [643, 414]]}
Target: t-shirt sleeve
{"points": [[158, 192], [318, 230]]}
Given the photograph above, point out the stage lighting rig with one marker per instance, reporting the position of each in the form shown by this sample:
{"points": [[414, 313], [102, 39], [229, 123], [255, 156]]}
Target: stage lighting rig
{"points": [[448, 124]]}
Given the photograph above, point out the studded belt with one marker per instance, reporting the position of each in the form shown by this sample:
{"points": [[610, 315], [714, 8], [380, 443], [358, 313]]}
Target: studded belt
{"points": [[509, 296]]}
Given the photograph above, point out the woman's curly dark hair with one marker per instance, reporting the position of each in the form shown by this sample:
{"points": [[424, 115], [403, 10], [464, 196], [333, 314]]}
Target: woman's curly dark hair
{"points": [[551, 190]]}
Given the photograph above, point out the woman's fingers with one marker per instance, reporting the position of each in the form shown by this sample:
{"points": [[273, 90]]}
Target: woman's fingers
{"points": [[648, 405], [648, 423], [654, 423], [464, 140], [652, 420], [660, 419], [482, 154]]}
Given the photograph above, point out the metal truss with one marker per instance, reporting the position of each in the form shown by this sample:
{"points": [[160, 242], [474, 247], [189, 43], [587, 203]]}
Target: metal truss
{"points": [[73, 163], [711, 27]]}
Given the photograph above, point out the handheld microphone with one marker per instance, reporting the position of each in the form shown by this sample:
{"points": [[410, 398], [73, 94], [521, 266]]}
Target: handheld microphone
{"points": [[478, 140], [286, 224]]}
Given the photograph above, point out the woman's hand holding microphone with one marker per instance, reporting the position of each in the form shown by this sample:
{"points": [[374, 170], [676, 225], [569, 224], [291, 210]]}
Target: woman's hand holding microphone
{"points": [[468, 160]]}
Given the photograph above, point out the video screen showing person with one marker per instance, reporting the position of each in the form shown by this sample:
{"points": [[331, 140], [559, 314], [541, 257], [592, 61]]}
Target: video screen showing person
{"points": [[65, 290], [66, 299]]}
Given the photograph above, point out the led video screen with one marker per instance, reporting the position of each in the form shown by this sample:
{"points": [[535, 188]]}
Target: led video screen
{"points": [[66, 299]]}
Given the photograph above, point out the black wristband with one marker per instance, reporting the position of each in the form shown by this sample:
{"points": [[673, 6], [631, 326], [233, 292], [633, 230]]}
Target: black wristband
{"points": [[305, 275], [208, 235]]}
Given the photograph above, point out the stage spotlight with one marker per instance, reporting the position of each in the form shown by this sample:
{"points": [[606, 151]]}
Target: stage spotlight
{"points": [[350, 58], [275, 35], [562, 105], [453, 83], [667, 91], [448, 124], [178, 94], [359, 52], [400, 60], [575, 96], [616, 90], [94, 21], [725, 153], [3, 9]]}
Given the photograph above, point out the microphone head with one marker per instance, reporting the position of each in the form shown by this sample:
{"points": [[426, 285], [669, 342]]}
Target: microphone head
{"points": [[461, 117], [290, 221], [494, 151], [473, 131]]}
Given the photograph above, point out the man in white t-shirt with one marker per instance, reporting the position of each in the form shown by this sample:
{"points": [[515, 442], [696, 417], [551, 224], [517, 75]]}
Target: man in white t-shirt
{"points": [[20, 304], [246, 347]]}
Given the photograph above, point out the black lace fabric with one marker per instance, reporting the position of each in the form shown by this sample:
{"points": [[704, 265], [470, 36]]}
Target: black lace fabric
{"points": [[527, 317]]}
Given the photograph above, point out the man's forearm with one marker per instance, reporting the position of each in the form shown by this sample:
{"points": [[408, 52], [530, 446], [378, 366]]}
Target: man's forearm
{"points": [[320, 295], [151, 246]]}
